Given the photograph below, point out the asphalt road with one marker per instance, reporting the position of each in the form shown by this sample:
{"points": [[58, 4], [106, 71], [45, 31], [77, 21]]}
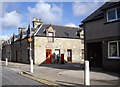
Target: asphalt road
{"points": [[10, 77]]}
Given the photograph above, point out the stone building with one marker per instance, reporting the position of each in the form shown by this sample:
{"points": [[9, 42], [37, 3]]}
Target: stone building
{"points": [[6, 49], [51, 44]]}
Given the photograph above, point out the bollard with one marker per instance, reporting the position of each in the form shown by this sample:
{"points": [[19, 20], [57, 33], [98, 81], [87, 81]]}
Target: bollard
{"points": [[87, 73], [6, 61], [31, 65]]}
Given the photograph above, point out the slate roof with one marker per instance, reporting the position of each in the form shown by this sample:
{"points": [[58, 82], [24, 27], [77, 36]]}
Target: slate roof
{"points": [[60, 31], [99, 13]]}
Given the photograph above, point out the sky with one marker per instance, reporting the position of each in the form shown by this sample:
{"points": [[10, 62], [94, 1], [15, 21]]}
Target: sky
{"points": [[17, 14]]}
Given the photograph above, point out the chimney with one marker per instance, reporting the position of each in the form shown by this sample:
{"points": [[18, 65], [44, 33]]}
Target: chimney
{"points": [[21, 30], [36, 22]]}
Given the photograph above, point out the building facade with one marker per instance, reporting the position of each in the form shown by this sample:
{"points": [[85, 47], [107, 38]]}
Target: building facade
{"points": [[51, 44], [6, 50], [53, 40], [102, 37]]}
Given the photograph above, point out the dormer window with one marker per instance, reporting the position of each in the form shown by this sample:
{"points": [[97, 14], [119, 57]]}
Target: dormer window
{"points": [[44, 31], [67, 34], [113, 14], [78, 33], [50, 37]]}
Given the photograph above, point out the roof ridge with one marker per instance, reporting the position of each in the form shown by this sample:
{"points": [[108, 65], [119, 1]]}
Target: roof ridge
{"points": [[61, 25]]}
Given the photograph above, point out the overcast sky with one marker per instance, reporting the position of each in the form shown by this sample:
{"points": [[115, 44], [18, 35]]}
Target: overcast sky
{"points": [[59, 13]]}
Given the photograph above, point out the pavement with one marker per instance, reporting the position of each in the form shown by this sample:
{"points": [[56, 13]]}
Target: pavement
{"points": [[11, 78], [63, 75]]}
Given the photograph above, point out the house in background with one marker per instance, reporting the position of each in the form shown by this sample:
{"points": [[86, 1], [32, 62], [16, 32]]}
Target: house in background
{"points": [[102, 37], [51, 44], [6, 49]]}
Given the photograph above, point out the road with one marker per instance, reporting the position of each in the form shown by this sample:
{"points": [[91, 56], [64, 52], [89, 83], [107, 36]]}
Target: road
{"points": [[10, 77]]}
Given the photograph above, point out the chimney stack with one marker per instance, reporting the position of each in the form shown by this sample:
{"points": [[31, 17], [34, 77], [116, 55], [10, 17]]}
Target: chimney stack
{"points": [[21, 30], [36, 22]]}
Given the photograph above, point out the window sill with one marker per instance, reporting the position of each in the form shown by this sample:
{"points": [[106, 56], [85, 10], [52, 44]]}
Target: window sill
{"points": [[114, 58], [112, 21], [50, 41]]}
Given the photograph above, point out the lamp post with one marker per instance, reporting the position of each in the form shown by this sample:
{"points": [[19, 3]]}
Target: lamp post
{"points": [[30, 49], [30, 52]]}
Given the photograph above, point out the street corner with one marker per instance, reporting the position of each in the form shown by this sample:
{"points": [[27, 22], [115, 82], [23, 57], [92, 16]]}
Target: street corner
{"points": [[44, 81]]}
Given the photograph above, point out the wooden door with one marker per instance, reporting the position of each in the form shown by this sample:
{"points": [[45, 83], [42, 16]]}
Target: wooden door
{"points": [[48, 56], [94, 51]]}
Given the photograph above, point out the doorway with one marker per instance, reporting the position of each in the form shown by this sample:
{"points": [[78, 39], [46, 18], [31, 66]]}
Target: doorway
{"points": [[57, 55], [94, 54], [48, 56], [69, 55], [16, 57]]}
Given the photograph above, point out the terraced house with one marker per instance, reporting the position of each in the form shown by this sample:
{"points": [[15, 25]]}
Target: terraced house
{"points": [[102, 37], [51, 44]]}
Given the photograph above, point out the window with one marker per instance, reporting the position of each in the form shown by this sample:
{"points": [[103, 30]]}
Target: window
{"points": [[119, 48], [82, 41], [118, 12], [28, 53], [50, 37], [82, 53], [113, 14], [113, 49], [69, 55]]}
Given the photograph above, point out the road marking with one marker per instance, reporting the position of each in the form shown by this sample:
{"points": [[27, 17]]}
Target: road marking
{"points": [[46, 82]]}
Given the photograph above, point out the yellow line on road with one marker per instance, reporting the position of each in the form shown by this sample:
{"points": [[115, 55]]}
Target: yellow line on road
{"points": [[46, 82]]}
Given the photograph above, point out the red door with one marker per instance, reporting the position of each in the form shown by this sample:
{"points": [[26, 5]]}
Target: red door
{"points": [[62, 58], [48, 56]]}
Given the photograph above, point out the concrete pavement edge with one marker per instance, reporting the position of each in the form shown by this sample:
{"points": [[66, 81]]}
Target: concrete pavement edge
{"points": [[46, 82]]}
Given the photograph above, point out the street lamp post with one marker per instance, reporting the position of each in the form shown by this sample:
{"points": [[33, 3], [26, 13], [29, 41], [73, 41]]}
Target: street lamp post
{"points": [[31, 59], [30, 52]]}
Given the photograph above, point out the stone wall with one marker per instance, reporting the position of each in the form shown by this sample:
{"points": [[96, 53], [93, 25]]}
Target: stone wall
{"points": [[20, 51], [41, 44]]}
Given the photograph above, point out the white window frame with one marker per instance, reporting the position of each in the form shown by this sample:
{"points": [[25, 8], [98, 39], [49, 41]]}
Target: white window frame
{"points": [[110, 57], [50, 37], [116, 16]]}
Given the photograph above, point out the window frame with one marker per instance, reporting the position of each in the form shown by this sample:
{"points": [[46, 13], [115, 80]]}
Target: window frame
{"points": [[51, 37], [116, 15], [112, 57]]}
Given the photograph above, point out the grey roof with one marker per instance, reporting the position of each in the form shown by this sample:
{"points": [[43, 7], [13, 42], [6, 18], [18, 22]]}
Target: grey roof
{"points": [[99, 12], [60, 31]]}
